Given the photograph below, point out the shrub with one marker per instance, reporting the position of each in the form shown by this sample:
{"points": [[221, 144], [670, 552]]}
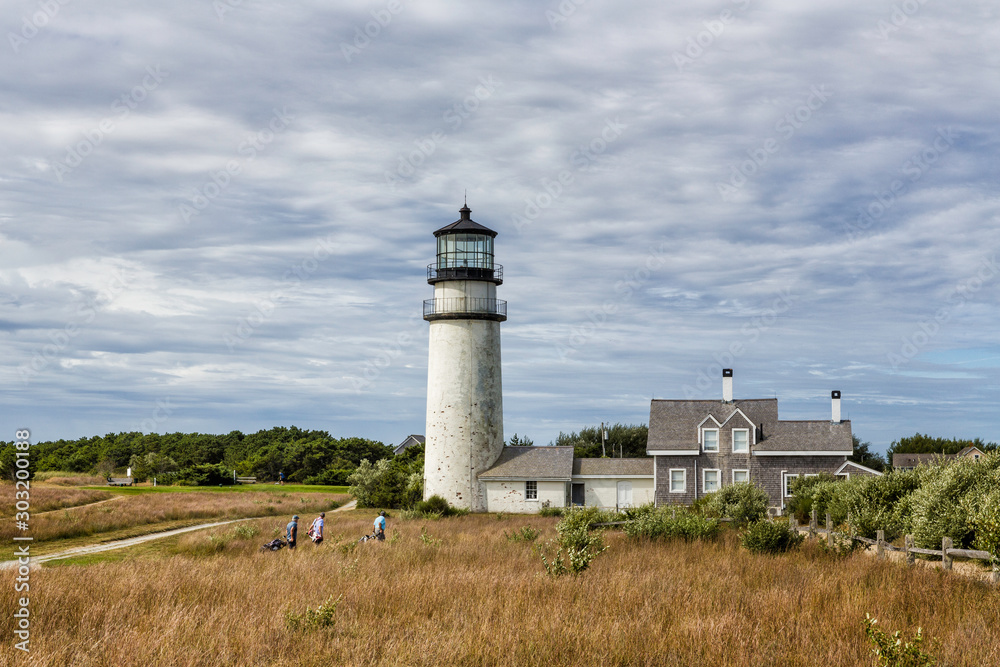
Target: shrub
{"points": [[766, 537], [871, 503], [891, 651], [550, 511], [983, 507], [577, 546], [245, 531], [206, 474], [743, 503], [312, 619], [525, 534], [377, 485], [937, 509], [670, 522]]}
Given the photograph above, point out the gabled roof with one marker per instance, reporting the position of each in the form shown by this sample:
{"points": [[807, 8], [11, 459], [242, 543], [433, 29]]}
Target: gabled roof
{"points": [[811, 436], [532, 463], [613, 467], [856, 466], [673, 427], [970, 451], [673, 424], [410, 441]]}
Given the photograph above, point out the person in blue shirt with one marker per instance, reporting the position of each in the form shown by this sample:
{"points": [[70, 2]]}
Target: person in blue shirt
{"points": [[379, 528], [292, 531]]}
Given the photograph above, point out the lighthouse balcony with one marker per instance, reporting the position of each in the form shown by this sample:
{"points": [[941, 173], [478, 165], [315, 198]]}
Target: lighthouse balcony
{"points": [[437, 273], [465, 308]]}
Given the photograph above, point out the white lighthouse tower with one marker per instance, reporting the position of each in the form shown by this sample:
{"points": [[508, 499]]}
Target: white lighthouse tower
{"points": [[464, 399]]}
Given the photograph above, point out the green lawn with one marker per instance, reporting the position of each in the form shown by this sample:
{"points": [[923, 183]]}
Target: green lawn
{"points": [[239, 488]]}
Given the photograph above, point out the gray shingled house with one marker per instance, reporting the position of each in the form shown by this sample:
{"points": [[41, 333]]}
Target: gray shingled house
{"points": [[699, 446]]}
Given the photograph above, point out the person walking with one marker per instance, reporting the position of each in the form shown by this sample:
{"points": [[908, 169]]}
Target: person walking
{"points": [[379, 527], [281, 478], [292, 531], [316, 529]]}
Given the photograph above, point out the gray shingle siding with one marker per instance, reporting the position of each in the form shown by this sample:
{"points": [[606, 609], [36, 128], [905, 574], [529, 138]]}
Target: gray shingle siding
{"points": [[765, 472]]}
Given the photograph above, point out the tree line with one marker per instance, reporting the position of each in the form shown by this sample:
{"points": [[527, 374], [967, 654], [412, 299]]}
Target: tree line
{"points": [[304, 456]]}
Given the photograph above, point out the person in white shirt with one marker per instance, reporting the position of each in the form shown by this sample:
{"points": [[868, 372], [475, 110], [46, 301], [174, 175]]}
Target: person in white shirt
{"points": [[316, 529]]}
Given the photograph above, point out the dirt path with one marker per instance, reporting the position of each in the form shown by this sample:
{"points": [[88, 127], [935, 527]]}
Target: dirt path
{"points": [[36, 561], [76, 507]]}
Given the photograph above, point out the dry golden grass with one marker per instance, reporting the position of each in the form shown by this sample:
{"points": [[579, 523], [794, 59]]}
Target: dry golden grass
{"points": [[63, 478], [48, 498], [151, 509], [480, 600]]}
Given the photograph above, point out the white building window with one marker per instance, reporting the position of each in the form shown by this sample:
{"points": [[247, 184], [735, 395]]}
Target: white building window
{"points": [[741, 476], [741, 441], [710, 436], [678, 480], [710, 480], [531, 490], [788, 484]]}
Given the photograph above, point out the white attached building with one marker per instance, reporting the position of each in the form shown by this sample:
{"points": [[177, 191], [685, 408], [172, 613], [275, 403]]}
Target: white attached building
{"points": [[525, 479]]}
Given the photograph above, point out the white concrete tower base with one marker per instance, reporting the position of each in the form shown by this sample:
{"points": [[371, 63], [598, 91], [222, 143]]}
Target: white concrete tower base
{"points": [[464, 428]]}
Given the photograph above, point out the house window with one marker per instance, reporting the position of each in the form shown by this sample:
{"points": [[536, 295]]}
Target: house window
{"points": [[741, 476], [741, 440], [788, 484], [678, 480], [531, 490], [710, 436], [710, 481]]}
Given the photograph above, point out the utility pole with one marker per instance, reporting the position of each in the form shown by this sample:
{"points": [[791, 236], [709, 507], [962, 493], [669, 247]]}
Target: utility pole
{"points": [[603, 453]]}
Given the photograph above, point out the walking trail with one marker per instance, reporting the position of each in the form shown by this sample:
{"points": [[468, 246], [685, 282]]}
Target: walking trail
{"points": [[132, 541]]}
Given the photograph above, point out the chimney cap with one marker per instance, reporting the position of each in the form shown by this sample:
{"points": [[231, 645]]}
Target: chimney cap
{"points": [[834, 394], [727, 372]]}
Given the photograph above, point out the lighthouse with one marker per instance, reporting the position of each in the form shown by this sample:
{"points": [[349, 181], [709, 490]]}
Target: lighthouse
{"points": [[464, 432]]}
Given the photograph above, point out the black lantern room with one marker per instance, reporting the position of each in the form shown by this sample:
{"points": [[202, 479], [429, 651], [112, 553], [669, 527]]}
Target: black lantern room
{"points": [[465, 252]]}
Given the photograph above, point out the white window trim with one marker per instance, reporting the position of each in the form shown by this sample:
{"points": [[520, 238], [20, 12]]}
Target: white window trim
{"points": [[736, 470], [670, 480], [718, 478], [526, 483], [785, 479], [703, 447], [741, 451]]}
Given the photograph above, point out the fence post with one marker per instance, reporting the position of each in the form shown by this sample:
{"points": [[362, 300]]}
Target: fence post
{"points": [[829, 531], [996, 575], [911, 558], [793, 523], [880, 544], [946, 544], [812, 523]]}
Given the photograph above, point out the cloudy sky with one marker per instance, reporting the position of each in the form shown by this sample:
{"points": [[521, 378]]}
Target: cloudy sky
{"points": [[217, 215]]}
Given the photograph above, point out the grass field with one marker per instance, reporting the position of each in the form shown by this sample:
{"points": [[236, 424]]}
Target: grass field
{"points": [[476, 598], [143, 509]]}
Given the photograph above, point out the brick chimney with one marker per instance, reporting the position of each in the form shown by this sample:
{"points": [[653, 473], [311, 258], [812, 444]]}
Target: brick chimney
{"points": [[727, 385], [835, 400]]}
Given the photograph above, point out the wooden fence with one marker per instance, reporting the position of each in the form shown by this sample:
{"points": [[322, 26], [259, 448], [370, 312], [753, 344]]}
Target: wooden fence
{"points": [[947, 552]]}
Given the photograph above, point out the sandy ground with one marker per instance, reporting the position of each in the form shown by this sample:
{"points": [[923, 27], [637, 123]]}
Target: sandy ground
{"points": [[36, 561]]}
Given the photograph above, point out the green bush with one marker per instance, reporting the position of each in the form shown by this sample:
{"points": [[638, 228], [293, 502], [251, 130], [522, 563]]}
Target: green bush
{"points": [[809, 493], [743, 503], [871, 503], [206, 474], [550, 511], [670, 523], [983, 507], [312, 619], [525, 534], [577, 545], [891, 651], [766, 537], [937, 509]]}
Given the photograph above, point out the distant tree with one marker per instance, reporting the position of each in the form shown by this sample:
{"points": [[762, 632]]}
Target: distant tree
{"points": [[624, 440], [516, 441], [925, 444], [866, 457]]}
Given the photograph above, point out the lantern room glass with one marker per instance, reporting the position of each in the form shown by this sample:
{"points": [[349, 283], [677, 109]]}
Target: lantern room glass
{"points": [[465, 251]]}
